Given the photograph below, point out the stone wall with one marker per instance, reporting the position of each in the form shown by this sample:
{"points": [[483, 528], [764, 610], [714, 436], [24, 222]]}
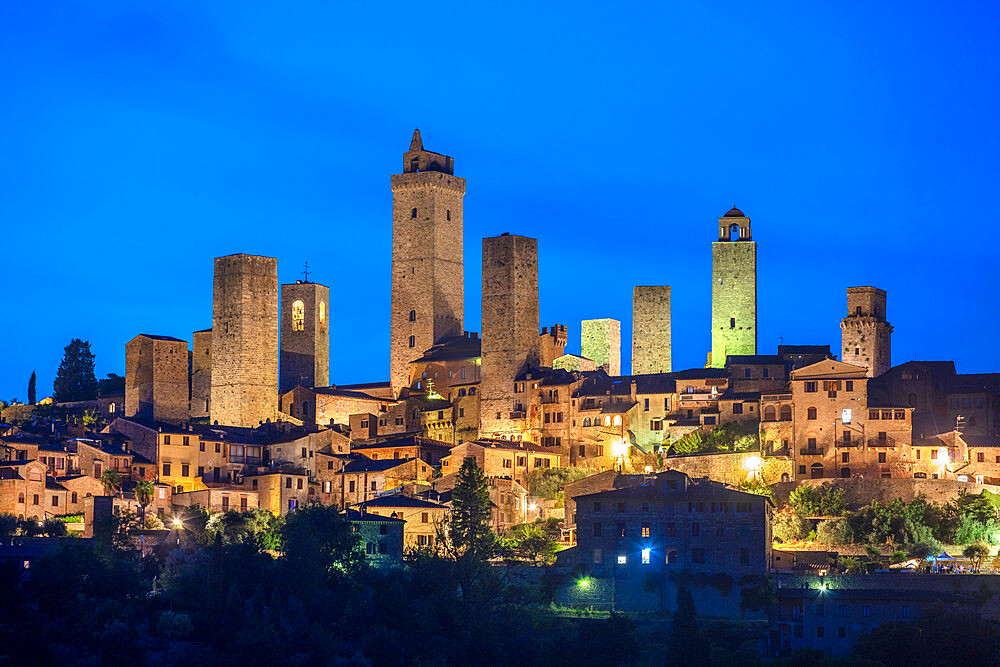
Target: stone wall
{"points": [[651, 330], [201, 374], [734, 298], [427, 263], [244, 340], [305, 342], [859, 492], [156, 379], [601, 340], [730, 468], [510, 343]]}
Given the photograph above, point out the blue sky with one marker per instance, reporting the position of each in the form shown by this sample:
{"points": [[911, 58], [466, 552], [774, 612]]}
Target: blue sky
{"points": [[141, 140]]}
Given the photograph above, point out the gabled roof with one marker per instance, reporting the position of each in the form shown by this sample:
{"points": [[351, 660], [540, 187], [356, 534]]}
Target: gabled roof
{"points": [[755, 359], [452, 348], [405, 440], [517, 445], [166, 338], [365, 464], [803, 349], [399, 500], [354, 516], [345, 393], [829, 368]]}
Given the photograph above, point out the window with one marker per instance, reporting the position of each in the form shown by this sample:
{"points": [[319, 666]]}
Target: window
{"points": [[73, 498], [413, 213], [618, 420], [645, 404], [866, 611], [55, 501], [645, 530], [322, 315], [934, 454], [844, 611], [811, 413], [350, 486], [166, 470], [810, 387], [645, 556], [905, 612], [413, 318], [845, 457], [34, 499], [732, 322], [966, 402], [582, 451], [819, 632], [881, 457], [225, 503], [737, 408], [447, 214], [299, 484], [298, 315], [746, 372], [413, 341], [166, 440], [841, 633]]}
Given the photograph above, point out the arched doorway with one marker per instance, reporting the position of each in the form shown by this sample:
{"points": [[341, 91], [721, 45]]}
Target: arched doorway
{"points": [[816, 471]]}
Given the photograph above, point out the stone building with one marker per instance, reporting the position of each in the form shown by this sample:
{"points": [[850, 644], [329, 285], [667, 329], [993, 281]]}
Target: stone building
{"points": [[381, 538], [601, 340], [201, 374], [22, 489], [156, 378], [650, 330], [734, 289], [305, 335], [451, 362], [422, 517], [427, 264], [510, 344], [552, 344], [865, 333], [244, 340], [502, 458]]}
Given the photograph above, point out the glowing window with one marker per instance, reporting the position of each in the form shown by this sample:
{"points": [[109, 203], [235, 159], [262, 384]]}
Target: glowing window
{"points": [[618, 420], [298, 315], [622, 559], [645, 556], [607, 420], [322, 315]]}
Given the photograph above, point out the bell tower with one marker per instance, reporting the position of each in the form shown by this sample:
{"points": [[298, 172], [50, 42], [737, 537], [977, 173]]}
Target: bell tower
{"points": [[734, 289], [427, 268]]}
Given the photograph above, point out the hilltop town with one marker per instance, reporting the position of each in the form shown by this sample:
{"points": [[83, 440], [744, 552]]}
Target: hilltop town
{"points": [[750, 476]]}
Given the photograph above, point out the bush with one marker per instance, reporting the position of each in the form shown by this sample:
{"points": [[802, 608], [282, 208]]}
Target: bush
{"points": [[812, 500], [549, 482], [788, 526], [834, 531]]}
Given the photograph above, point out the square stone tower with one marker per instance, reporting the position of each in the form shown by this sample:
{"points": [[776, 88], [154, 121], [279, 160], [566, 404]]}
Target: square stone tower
{"points": [[552, 344], [865, 333], [734, 289], [156, 378], [650, 330], [244, 340], [510, 344], [201, 374], [601, 340], [305, 335], [427, 269]]}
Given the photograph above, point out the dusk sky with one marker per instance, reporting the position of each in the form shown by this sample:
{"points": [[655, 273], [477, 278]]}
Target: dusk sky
{"points": [[138, 141]]}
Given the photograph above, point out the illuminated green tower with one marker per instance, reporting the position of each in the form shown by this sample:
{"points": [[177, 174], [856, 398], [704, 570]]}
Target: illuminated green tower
{"points": [[734, 290]]}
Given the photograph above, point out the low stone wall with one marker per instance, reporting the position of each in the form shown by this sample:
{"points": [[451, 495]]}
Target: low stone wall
{"points": [[860, 492]]}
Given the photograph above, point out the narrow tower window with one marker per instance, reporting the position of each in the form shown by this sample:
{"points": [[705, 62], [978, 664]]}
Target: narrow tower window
{"points": [[413, 341], [322, 316], [732, 322], [413, 213], [448, 214], [298, 315], [413, 316]]}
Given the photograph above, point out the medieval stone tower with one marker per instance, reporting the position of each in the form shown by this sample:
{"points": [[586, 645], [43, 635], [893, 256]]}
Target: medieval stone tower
{"points": [[510, 343], [201, 373], [156, 378], [305, 335], [734, 289], [427, 269], [601, 341], [650, 330], [864, 333], [244, 340]]}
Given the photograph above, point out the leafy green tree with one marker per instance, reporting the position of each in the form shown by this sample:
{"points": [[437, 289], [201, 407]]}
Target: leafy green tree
{"points": [[852, 564], [788, 526], [977, 553], [812, 500], [834, 531], [75, 379], [757, 487], [941, 636], [530, 542], [111, 384], [8, 524], [256, 526], [320, 545], [549, 482], [31, 388]]}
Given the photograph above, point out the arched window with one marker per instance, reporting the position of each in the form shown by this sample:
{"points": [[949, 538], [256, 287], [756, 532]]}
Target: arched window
{"points": [[734, 232], [769, 413], [816, 472], [618, 420], [784, 477], [298, 315], [472, 391], [20, 498], [586, 421], [607, 420], [461, 392], [786, 413], [811, 413], [322, 316], [413, 316]]}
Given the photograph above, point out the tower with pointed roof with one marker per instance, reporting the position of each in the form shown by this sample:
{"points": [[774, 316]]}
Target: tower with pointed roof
{"points": [[427, 267], [734, 289]]}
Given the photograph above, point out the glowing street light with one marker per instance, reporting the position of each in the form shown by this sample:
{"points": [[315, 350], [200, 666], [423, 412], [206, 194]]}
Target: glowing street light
{"points": [[753, 464], [583, 583], [177, 523]]}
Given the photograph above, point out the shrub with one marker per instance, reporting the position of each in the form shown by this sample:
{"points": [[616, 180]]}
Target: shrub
{"points": [[788, 526], [834, 531]]}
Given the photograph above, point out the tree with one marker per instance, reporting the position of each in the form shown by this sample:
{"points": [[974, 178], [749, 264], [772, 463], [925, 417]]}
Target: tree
{"points": [[788, 526], [31, 389], [111, 384], [684, 645], [111, 481], [811, 500], [977, 553], [530, 542], [833, 531], [466, 536], [144, 494], [320, 545], [549, 482], [75, 379]]}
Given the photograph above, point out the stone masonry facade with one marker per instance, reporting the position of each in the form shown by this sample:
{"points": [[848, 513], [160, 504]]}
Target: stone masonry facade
{"points": [[601, 340], [156, 378], [865, 334], [244, 340], [427, 265], [201, 373], [650, 330], [734, 290], [305, 335], [510, 343]]}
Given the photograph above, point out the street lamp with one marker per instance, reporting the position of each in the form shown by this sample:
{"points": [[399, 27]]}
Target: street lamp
{"points": [[753, 465]]}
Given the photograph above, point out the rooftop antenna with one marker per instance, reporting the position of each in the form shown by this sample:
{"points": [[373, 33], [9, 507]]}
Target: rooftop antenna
{"points": [[305, 271]]}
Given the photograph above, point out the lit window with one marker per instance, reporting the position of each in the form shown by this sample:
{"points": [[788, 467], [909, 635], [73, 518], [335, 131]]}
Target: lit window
{"points": [[298, 315], [322, 315], [645, 556], [622, 559], [618, 420]]}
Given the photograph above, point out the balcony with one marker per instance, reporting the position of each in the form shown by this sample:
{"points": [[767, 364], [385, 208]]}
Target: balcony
{"points": [[811, 451], [883, 442], [702, 397], [854, 442], [517, 414], [548, 400]]}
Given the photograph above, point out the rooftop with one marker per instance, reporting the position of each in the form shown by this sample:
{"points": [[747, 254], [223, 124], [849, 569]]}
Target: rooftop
{"points": [[399, 500]]}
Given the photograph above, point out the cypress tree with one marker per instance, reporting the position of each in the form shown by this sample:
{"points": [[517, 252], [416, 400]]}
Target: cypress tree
{"points": [[31, 389]]}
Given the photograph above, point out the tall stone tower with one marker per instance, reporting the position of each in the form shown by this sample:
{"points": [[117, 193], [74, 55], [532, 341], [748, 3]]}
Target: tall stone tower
{"points": [[510, 343], [305, 335], [734, 289], [201, 373], [601, 341], [864, 333], [427, 269], [650, 330], [244, 340], [156, 378]]}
